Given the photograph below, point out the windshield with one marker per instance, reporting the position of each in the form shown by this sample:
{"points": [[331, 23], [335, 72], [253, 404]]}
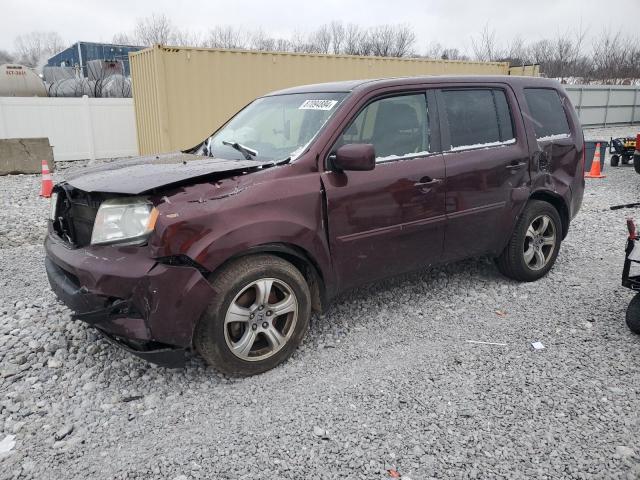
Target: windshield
{"points": [[274, 128]]}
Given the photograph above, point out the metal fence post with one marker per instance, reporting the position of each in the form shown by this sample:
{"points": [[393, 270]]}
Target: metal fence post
{"points": [[580, 104], [606, 107], [633, 107]]}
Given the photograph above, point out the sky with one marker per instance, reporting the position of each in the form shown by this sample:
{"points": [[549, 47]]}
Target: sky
{"points": [[450, 22]]}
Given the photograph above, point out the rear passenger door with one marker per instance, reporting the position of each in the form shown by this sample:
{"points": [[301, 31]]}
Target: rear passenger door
{"points": [[487, 167]]}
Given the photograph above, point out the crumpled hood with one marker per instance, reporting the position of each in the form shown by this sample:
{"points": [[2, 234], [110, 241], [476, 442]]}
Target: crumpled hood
{"points": [[141, 174]]}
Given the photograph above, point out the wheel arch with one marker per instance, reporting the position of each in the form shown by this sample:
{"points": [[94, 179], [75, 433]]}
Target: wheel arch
{"points": [[558, 203], [299, 258]]}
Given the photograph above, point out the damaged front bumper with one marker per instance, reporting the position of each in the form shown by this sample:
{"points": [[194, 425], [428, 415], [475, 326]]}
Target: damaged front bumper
{"points": [[146, 307]]}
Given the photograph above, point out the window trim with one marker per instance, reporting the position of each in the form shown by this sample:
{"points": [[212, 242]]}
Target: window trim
{"points": [[567, 117], [444, 119], [433, 124]]}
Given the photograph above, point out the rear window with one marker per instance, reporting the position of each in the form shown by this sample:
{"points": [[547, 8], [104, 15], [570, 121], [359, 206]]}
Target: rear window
{"points": [[478, 117], [548, 116]]}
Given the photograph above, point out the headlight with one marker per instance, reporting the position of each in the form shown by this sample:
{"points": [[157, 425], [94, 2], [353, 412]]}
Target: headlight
{"points": [[129, 220], [54, 203]]}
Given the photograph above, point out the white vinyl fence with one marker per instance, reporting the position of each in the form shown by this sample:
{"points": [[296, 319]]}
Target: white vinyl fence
{"points": [[605, 105], [77, 128]]}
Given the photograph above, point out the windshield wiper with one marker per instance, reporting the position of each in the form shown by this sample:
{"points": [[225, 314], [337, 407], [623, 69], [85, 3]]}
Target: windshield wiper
{"points": [[247, 152]]}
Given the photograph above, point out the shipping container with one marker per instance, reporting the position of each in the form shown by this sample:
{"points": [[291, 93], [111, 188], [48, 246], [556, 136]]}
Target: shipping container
{"points": [[181, 95]]}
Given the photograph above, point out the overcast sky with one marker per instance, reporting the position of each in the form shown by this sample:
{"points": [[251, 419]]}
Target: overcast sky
{"points": [[450, 22]]}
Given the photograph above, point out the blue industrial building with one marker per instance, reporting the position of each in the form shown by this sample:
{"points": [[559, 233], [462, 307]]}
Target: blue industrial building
{"points": [[80, 53]]}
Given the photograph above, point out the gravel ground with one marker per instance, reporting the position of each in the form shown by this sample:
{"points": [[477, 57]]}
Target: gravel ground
{"points": [[386, 379]]}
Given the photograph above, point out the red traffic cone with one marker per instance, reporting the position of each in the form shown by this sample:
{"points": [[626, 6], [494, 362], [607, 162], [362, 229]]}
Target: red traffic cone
{"points": [[595, 165], [47, 182]]}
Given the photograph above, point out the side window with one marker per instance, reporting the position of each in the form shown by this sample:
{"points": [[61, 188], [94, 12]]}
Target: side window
{"points": [[477, 117], [396, 126], [548, 116]]}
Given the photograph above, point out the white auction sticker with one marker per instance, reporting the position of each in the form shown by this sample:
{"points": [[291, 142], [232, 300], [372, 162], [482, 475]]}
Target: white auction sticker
{"points": [[318, 105]]}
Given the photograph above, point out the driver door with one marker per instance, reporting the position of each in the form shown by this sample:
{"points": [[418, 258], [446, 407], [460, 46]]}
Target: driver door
{"points": [[389, 220]]}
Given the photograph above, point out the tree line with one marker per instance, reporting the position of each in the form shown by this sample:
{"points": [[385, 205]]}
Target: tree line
{"points": [[610, 57]]}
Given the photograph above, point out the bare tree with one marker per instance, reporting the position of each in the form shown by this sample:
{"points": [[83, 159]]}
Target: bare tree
{"points": [[32, 49], [154, 29], [262, 42], [186, 38], [5, 57], [382, 40], [355, 40], [320, 40], [227, 37], [123, 39], [404, 39], [298, 43], [485, 46], [337, 36]]}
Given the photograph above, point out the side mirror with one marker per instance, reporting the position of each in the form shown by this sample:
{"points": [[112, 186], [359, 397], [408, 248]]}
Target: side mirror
{"points": [[354, 156]]}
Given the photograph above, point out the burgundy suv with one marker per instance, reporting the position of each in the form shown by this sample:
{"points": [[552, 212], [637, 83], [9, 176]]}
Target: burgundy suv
{"points": [[228, 247]]}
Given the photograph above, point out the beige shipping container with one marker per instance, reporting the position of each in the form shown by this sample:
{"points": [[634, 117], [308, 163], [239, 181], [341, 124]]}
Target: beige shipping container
{"points": [[181, 95]]}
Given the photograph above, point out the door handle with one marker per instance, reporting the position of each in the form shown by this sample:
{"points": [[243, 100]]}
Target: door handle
{"points": [[428, 182], [515, 166]]}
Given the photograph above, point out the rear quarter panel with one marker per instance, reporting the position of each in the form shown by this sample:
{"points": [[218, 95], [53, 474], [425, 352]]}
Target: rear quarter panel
{"points": [[564, 175]]}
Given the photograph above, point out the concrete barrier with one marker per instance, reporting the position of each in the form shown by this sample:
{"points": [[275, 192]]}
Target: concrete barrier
{"points": [[24, 155]]}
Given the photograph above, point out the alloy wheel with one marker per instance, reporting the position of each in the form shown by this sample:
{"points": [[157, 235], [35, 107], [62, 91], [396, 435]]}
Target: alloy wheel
{"points": [[261, 319], [539, 242]]}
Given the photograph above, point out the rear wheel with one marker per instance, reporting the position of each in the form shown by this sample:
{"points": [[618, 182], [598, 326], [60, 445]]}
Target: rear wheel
{"points": [[633, 314], [258, 317], [615, 160], [534, 244], [626, 159], [636, 163]]}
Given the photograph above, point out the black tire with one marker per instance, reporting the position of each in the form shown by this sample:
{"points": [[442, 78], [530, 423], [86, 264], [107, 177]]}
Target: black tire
{"points": [[633, 314], [636, 163], [511, 261], [210, 336], [626, 159], [615, 160]]}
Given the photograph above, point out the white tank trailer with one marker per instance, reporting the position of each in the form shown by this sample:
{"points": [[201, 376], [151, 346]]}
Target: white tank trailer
{"points": [[20, 81]]}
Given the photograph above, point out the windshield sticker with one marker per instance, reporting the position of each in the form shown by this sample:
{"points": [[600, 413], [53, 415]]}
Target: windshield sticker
{"points": [[318, 105]]}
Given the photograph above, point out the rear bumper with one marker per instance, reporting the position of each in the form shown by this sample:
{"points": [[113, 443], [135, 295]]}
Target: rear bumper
{"points": [[146, 307]]}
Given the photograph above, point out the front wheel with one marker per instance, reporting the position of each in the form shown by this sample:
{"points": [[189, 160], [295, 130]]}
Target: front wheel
{"points": [[534, 244], [636, 163], [633, 314], [258, 317]]}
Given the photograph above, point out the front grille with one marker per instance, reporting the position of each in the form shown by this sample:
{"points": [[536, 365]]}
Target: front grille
{"points": [[75, 214]]}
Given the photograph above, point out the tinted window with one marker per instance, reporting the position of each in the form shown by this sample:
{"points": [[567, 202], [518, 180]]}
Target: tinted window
{"points": [[396, 126], [547, 114], [477, 117]]}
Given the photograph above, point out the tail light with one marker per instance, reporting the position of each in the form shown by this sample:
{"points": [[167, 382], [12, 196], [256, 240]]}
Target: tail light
{"points": [[638, 141], [631, 226]]}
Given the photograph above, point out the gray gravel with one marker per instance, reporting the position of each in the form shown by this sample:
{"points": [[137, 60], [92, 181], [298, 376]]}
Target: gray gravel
{"points": [[386, 379]]}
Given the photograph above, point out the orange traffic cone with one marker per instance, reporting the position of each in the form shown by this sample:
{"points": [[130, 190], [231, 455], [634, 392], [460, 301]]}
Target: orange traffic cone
{"points": [[47, 182], [595, 165]]}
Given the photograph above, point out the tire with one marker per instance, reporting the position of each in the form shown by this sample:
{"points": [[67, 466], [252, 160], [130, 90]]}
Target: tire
{"points": [[633, 314], [625, 159], [615, 160], [636, 163], [524, 266], [240, 299]]}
